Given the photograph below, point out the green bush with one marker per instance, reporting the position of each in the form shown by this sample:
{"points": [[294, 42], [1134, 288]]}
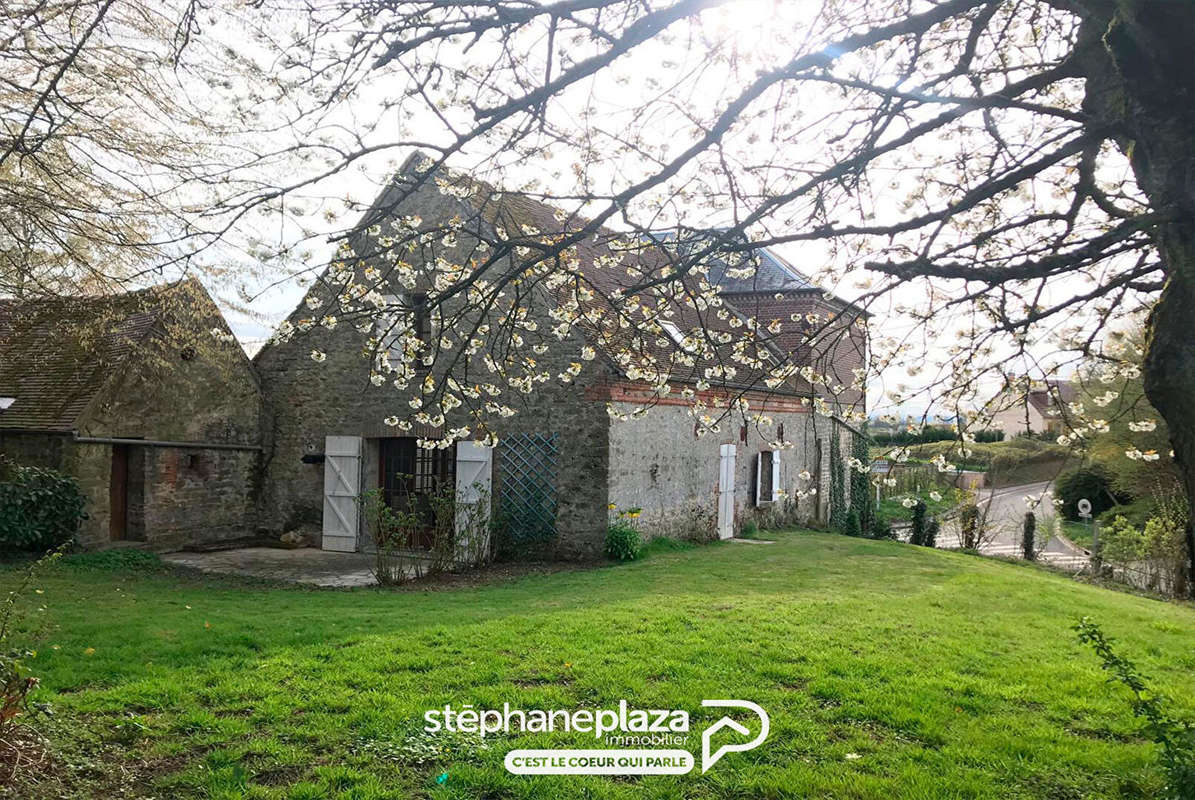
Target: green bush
{"points": [[40, 509], [881, 528], [623, 542], [968, 520], [917, 528], [852, 527], [932, 529], [1138, 512], [1093, 482], [1028, 531]]}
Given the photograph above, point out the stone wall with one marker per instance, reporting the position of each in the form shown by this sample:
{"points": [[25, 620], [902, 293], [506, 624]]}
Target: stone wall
{"points": [[307, 401], [659, 465], [182, 385], [34, 449]]}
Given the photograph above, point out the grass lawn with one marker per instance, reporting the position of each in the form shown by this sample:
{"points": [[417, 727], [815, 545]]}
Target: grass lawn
{"points": [[892, 509], [1078, 532], [889, 671]]}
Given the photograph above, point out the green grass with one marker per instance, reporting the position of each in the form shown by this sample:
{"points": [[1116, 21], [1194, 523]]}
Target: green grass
{"points": [[947, 675], [893, 510], [1077, 532]]}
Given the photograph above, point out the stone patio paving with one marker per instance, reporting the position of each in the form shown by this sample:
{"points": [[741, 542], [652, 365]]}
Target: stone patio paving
{"points": [[308, 565]]}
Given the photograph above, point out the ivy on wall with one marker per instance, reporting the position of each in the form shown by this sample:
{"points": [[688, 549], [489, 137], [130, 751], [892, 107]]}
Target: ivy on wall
{"points": [[838, 509]]}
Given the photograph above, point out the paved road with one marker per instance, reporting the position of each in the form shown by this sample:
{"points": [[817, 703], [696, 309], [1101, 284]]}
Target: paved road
{"points": [[1006, 509]]}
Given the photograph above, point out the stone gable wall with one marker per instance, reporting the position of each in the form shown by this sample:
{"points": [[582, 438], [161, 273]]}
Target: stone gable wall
{"points": [[307, 401]]}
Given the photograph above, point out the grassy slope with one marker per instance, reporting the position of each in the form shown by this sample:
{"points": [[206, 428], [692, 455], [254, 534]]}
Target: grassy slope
{"points": [[951, 676]]}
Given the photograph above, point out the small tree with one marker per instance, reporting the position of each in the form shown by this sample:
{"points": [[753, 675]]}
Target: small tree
{"points": [[1029, 528], [969, 526], [917, 535]]}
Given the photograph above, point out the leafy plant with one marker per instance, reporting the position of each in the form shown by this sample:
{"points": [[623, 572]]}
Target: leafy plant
{"points": [[393, 532], [1155, 549], [837, 484], [1176, 738], [623, 542], [40, 509], [749, 529], [862, 501], [852, 527]]}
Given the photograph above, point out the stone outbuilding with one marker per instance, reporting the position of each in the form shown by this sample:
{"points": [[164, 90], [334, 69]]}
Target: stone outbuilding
{"points": [[147, 400], [563, 460]]}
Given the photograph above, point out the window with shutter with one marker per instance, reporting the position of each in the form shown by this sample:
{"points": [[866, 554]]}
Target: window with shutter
{"points": [[765, 477]]}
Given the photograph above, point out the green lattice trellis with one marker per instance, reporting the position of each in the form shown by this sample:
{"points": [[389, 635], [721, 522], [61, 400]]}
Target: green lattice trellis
{"points": [[528, 486]]}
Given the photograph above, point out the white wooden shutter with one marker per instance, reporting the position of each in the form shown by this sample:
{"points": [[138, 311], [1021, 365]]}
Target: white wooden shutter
{"points": [[726, 492], [474, 467], [775, 475], [342, 488], [771, 491], [759, 498]]}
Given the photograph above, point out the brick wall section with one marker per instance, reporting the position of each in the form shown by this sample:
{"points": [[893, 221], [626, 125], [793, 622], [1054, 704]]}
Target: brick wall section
{"points": [[842, 347], [307, 401]]}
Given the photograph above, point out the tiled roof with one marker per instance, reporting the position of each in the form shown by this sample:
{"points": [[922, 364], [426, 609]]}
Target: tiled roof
{"points": [[514, 210], [56, 356], [773, 273]]}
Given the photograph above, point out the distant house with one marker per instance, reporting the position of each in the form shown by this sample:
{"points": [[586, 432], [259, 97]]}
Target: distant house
{"points": [[561, 460], [1038, 409], [146, 400]]}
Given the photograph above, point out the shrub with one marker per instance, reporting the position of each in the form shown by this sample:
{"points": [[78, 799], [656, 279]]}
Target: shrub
{"points": [[1092, 482], [1028, 529], [917, 528], [1176, 738], [749, 529], [968, 521], [852, 527], [881, 528], [623, 542], [931, 533], [40, 509]]}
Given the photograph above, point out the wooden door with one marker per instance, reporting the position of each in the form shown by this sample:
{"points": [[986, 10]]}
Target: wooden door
{"points": [[118, 494], [342, 487]]}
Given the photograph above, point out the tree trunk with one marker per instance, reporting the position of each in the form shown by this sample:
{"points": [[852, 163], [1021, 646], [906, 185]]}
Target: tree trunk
{"points": [[1170, 386], [1136, 57]]}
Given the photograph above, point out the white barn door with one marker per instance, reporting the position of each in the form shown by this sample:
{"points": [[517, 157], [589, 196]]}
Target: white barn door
{"points": [[726, 492], [474, 468], [342, 488]]}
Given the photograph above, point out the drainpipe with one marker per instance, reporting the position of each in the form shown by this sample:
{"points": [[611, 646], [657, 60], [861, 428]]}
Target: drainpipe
{"points": [[163, 443]]}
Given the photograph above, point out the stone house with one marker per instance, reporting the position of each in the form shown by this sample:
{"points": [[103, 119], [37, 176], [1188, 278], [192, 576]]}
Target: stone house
{"points": [[1039, 409], [147, 400], [562, 460]]}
